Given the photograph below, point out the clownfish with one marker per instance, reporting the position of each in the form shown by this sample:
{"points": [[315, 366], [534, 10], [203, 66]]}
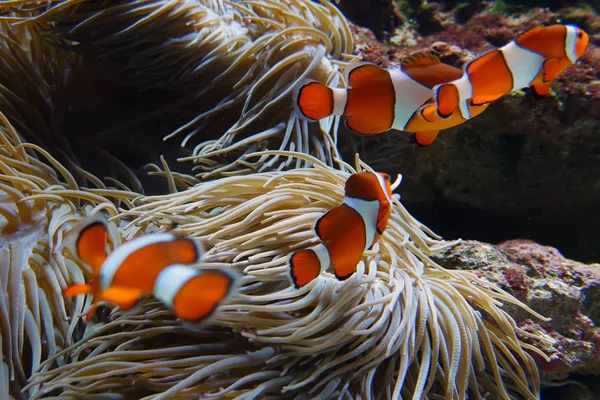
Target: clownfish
{"points": [[533, 60], [381, 99], [347, 230], [153, 264]]}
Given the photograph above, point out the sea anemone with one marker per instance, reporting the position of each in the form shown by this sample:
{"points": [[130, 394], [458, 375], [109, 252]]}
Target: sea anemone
{"points": [[229, 68], [400, 326], [42, 90]]}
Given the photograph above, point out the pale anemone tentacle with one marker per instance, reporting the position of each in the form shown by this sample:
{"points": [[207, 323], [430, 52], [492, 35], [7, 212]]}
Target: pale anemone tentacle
{"points": [[401, 320]]}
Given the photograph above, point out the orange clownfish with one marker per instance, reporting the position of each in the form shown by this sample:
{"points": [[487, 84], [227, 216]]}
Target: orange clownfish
{"points": [[347, 230], [152, 264], [533, 60], [381, 99]]}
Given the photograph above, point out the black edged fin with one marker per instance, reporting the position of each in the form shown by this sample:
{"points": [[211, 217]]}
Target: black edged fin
{"points": [[365, 73], [526, 34], [419, 60]]}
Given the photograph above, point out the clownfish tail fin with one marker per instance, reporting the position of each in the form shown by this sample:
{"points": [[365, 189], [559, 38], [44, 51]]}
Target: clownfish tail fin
{"points": [[447, 99], [305, 266], [314, 100], [195, 294], [77, 289]]}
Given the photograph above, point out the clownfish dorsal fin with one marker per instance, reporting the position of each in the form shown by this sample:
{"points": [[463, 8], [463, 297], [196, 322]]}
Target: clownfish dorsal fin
{"points": [[419, 60], [364, 73], [528, 34], [551, 68]]}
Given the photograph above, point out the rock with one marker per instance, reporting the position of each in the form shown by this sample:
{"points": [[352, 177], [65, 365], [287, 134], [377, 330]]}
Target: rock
{"points": [[566, 291], [525, 167], [380, 16]]}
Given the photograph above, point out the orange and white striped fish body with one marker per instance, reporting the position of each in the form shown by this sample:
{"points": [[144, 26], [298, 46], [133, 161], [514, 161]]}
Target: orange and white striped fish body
{"points": [[533, 60], [382, 99], [347, 230], [154, 264]]}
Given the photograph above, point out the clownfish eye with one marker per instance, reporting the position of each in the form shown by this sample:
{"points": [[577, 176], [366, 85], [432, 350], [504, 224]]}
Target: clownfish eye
{"points": [[579, 34]]}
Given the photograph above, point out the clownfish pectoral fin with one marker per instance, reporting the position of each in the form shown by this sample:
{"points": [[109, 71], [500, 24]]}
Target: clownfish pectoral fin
{"points": [[124, 297], [367, 126], [77, 289], [551, 68], [363, 74], [305, 266], [447, 99], [425, 138], [91, 243], [200, 295], [428, 112], [314, 100], [541, 90]]}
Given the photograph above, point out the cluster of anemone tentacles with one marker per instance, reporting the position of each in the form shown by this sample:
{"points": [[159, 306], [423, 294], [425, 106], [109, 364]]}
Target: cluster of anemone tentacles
{"points": [[401, 326], [224, 69]]}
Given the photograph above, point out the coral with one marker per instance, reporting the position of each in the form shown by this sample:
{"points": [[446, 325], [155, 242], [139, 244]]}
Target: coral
{"points": [[379, 16]]}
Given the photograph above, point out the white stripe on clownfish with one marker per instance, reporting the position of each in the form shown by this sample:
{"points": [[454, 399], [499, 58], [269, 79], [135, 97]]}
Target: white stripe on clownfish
{"points": [[368, 211], [406, 105]]}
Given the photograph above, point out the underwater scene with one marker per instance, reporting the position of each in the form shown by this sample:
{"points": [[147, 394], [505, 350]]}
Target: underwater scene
{"points": [[299, 199]]}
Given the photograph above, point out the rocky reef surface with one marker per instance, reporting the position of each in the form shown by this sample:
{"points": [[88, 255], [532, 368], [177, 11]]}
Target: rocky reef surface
{"points": [[531, 167], [564, 290]]}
